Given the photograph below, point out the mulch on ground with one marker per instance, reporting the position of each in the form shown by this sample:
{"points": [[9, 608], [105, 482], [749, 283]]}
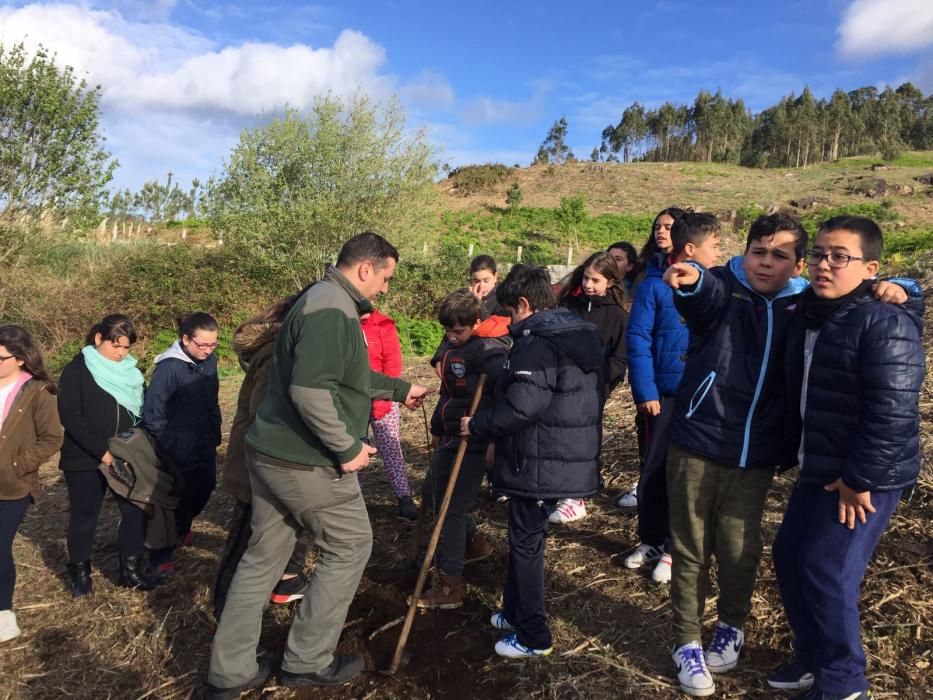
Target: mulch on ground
{"points": [[611, 625]]}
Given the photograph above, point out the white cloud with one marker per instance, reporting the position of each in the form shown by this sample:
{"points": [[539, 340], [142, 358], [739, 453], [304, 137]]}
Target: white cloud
{"points": [[872, 28], [490, 110], [428, 90]]}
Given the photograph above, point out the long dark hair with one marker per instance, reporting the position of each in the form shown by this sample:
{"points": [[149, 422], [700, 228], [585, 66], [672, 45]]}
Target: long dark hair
{"points": [[18, 343], [651, 245], [604, 265]]}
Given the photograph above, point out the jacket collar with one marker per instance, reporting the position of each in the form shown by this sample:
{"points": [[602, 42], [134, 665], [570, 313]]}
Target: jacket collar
{"points": [[336, 277], [795, 285]]}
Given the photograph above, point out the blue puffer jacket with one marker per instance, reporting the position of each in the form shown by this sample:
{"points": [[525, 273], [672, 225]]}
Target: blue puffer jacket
{"points": [[863, 387], [657, 337], [731, 405], [547, 417], [181, 410]]}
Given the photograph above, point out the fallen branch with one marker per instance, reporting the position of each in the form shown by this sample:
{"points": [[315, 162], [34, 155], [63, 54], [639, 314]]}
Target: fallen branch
{"points": [[387, 626]]}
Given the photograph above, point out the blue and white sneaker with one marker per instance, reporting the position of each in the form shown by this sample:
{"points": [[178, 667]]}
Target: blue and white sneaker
{"points": [[511, 648], [695, 679], [791, 676], [723, 652], [500, 623]]}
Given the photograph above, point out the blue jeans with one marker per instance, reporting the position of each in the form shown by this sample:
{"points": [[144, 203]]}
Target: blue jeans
{"points": [[820, 564], [11, 515]]}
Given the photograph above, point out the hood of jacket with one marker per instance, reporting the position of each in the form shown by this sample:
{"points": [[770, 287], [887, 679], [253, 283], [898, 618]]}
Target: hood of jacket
{"points": [[175, 352], [493, 327], [795, 285], [252, 336], [562, 327]]}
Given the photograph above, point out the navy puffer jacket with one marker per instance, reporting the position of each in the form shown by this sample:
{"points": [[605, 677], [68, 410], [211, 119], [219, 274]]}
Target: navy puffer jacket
{"points": [[657, 337], [731, 405], [862, 412], [181, 409], [548, 410]]}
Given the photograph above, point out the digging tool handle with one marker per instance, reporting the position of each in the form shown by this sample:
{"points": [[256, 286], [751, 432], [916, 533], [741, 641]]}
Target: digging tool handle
{"points": [[436, 534]]}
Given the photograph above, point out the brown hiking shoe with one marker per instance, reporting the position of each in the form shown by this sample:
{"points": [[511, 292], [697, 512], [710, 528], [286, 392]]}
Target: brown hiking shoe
{"points": [[445, 594], [477, 549]]}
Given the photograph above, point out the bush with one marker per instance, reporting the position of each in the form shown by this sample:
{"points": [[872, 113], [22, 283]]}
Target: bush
{"points": [[479, 178], [419, 336]]}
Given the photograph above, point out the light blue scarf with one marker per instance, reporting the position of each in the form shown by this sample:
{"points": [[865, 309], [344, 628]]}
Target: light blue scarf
{"points": [[122, 380]]}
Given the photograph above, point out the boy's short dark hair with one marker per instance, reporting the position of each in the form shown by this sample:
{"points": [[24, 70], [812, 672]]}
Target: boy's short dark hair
{"points": [[868, 231], [533, 283], [483, 262], [693, 228], [768, 225], [459, 308], [366, 247]]}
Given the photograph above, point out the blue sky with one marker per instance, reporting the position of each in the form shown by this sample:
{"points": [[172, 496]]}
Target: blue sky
{"points": [[181, 78]]}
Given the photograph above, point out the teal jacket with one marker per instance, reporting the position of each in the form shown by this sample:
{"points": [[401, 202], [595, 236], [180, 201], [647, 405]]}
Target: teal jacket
{"points": [[321, 387]]}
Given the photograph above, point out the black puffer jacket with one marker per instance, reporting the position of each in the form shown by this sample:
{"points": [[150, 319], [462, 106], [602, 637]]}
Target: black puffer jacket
{"points": [[548, 410], [611, 322], [863, 387], [181, 411], [731, 404], [90, 417]]}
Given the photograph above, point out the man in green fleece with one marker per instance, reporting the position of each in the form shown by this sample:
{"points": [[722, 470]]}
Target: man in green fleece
{"points": [[302, 451]]}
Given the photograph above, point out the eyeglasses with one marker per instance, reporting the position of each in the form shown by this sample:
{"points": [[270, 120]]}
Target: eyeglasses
{"points": [[838, 260], [4, 358], [203, 346]]}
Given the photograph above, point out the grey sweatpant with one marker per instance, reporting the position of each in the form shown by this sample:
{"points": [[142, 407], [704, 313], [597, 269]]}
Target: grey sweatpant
{"points": [[285, 502]]}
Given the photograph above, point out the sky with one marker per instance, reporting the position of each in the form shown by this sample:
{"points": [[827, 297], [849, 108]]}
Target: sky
{"points": [[181, 79]]}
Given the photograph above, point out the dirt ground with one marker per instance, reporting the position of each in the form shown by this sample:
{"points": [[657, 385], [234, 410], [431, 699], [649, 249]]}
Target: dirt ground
{"points": [[611, 625]]}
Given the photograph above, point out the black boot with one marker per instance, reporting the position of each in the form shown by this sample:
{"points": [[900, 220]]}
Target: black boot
{"points": [[80, 575], [133, 574]]}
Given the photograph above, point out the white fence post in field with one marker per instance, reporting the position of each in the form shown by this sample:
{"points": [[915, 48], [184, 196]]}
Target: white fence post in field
{"points": [[518, 254], [184, 234], [424, 250], [569, 256], [470, 251]]}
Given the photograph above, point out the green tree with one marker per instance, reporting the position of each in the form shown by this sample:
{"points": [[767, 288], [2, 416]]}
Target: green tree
{"points": [[296, 187], [514, 196], [553, 149], [51, 153]]}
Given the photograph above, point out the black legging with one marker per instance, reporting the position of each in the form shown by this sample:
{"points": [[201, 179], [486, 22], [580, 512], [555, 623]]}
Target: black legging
{"points": [[86, 491], [11, 515], [238, 535]]}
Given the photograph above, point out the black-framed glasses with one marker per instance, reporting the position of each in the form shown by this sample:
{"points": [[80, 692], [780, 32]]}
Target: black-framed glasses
{"points": [[4, 358], [833, 259]]}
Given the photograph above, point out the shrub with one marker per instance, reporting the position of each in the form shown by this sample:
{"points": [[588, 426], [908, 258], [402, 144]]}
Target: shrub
{"points": [[419, 336], [479, 178]]}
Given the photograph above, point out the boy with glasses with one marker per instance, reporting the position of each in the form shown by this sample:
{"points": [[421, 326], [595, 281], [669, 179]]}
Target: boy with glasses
{"points": [[855, 367]]}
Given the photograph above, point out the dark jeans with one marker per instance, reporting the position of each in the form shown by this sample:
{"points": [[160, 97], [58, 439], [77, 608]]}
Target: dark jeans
{"points": [[644, 431], [523, 598], [653, 512], [86, 490], [200, 480], [238, 534], [11, 515], [820, 564], [458, 526]]}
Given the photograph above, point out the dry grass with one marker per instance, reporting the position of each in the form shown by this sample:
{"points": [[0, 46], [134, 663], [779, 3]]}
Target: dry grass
{"points": [[611, 626]]}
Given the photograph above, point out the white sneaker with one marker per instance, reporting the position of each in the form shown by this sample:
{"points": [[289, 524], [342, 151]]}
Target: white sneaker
{"points": [[511, 648], [723, 652], [695, 679], [643, 554], [500, 623], [629, 499], [662, 570], [8, 627], [568, 510]]}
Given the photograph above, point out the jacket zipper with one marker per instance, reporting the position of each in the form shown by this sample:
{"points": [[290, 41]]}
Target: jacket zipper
{"points": [[743, 458], [701, 391]]}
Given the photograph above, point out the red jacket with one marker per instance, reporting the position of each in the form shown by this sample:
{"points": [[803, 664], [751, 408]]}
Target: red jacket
{"points": [[385, 352]]}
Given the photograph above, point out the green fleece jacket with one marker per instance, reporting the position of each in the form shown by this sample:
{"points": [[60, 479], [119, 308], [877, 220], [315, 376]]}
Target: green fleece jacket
{"points": [[321, 388]]}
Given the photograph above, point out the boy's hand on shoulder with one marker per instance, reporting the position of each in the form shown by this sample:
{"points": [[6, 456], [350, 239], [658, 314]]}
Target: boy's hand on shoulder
{"points": [[889, 292], [681, 275], [652, 408], [852, 504], [416, 396]]}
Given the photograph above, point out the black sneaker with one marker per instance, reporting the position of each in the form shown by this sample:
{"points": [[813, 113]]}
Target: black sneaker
{"points": [[407, 508], [257, 681], [342, 670], [791, 676], [289, 590]]}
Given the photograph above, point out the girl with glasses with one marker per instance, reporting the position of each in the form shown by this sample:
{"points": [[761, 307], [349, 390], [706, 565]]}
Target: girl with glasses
{"points": [[182, 414]]}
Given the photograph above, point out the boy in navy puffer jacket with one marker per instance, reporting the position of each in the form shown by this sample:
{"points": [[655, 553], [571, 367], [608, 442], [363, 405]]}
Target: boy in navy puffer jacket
{"points": [[854, 371], [728, 434], [546, 426]]}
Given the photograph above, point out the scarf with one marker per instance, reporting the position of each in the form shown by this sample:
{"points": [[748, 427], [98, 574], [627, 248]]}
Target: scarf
{"points": [[24, 377], [122, 380], [816, 310]]}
